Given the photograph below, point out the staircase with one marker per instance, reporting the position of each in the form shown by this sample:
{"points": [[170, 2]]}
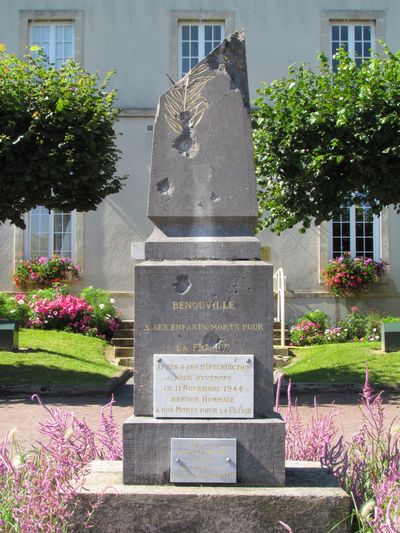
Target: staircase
{"points": [[282, 354], [123, 344]]}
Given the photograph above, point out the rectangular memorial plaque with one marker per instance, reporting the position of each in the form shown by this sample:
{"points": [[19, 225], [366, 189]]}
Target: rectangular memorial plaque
{"points": [[203, 461], [203, 386]]}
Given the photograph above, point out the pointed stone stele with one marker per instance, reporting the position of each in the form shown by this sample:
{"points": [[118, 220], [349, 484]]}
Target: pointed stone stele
{"points": [[202, 291], [202, 195]]}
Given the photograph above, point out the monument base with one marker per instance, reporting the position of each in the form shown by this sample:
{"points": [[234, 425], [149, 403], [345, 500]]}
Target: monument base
{"points": [[260, 447], [310, 502]]}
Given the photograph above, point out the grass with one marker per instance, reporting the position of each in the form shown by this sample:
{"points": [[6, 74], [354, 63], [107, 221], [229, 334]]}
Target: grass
{"points": [[344, 363], [56, 357]]}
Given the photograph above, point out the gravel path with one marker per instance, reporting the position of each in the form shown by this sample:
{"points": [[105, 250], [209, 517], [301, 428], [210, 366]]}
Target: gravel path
{"points": [[25, 415]]}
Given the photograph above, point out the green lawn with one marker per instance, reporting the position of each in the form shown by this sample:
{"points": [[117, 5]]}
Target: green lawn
{"points": [[56, 357], [344, 363]]}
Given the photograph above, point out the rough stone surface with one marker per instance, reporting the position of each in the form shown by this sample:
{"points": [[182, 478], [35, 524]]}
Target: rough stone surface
{"points": [[311, 502], [159, 247], [165, 323], [202, 174], [260, 453]]}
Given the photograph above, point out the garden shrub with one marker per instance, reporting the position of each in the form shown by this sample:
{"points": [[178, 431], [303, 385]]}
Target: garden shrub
{"points": [[335, 334], [362, 326], [14, 309], [317, 316], [91, 313], [104, 316], [306, 333]]}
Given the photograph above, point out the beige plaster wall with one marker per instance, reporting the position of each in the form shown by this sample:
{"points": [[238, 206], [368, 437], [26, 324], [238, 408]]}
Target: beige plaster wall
{"points": [[139, 39]]}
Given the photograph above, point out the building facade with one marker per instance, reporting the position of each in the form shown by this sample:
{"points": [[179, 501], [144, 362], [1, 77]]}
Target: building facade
{"points": [[151, 42]]}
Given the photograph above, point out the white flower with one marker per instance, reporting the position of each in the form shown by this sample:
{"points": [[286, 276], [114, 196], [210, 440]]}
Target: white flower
{"points": [[112, 301], [377, 337], [18, 460], [20, 302], [374, 330], [12, 311], [101, 306], [68, 433]]}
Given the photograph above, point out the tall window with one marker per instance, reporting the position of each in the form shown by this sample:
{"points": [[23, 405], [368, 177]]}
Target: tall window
{"points": [[357, 39], [196, 41], [356, 231], [56, 39], [51, 232]]}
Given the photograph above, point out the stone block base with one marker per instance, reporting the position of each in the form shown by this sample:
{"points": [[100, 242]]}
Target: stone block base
{"points": [[311, 502], [260, 447]]}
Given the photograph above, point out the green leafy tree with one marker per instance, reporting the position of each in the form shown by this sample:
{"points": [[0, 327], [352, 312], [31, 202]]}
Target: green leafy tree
{"points": [[57, 137], [324, 139]]}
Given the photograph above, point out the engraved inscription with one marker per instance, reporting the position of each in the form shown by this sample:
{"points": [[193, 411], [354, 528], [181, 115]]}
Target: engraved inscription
{"points": [[195, 386], [203, 461]]}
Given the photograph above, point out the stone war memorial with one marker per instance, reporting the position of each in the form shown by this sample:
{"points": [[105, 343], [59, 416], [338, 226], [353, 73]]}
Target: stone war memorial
{"points": [[204, 450]]}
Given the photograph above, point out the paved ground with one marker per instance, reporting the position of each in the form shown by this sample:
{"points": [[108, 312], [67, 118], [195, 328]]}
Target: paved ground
{"points": [[24, 415]]}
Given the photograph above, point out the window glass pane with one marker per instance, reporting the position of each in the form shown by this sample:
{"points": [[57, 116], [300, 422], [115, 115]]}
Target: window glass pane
{"points": [[60, 34], [194, 49], [344, 33], [207, 48], [68, 33], [67, 50], [367, 33], [367, 49], [217, 33], [358, 49], [185, 49], [358, 33], [194, 62], [208, 30], [185, 65], [335, 33], [59, 51], [194, 33], [185, 33]]}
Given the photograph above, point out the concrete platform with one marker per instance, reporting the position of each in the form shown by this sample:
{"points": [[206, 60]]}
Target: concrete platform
{"points": [[310, 503]]}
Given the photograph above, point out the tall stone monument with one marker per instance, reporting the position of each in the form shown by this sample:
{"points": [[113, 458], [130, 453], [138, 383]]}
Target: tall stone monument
{"points": [[203, 389]]}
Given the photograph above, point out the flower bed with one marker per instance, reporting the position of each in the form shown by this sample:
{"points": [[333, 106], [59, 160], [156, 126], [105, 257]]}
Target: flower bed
{"points": [[92, 312]]}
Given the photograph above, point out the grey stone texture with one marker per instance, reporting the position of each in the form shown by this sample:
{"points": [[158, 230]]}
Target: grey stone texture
{"points": [[311, 502], [202, 175], [171, 317], [260, 449], [158, 247]]}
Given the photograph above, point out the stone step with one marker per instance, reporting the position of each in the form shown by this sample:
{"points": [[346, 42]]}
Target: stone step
{"points": [[281, 350], [124, 351], [124, 333], [126, 362], [121, 341], [281, 360], [127, 324]]}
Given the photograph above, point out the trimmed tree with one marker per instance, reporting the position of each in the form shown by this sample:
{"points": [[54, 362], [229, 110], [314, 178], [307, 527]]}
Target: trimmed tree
{"points": [[57, 137], [328, 139]]}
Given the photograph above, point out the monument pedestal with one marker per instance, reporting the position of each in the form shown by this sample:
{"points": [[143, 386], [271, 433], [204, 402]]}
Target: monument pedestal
{"points": [[260, 454], [310, 502]]}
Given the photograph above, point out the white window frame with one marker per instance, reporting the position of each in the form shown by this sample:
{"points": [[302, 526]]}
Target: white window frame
{"points": [[351, 35], [52, 25], [28, 236], [376, 235], [201, 38]]}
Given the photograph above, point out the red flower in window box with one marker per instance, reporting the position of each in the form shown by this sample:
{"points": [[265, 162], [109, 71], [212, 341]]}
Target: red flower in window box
{"points": [[347, 274], [45, 272]]}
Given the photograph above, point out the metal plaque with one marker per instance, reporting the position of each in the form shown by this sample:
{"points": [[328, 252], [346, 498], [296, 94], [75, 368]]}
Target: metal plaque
{"points": [[203, 461], [203, 386]]}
